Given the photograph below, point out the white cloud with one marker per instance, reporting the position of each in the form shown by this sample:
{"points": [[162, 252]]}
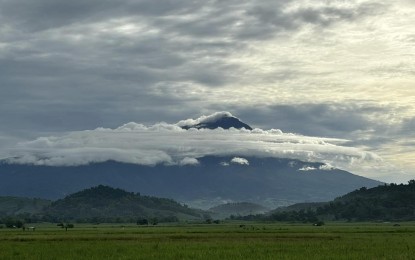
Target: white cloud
{"points": [[307, 168], [189, 161], [239, 160], [204, 119], [326, 167], [224, 164], [169, 144]]}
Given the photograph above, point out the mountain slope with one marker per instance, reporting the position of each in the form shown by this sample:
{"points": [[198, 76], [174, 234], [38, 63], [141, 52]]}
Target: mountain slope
{"points": [[107, 204], [268, 181], [10, 206]]}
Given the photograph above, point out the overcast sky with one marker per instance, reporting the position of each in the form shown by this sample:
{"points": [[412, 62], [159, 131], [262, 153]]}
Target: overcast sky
{"points": [[332, 69]]}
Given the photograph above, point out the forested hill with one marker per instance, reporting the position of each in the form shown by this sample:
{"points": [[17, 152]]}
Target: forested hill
{"points": [[389, 202], [106, 204]]}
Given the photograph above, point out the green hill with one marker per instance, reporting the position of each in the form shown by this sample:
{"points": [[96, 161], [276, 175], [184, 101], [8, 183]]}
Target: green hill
{"points": [[383, 203], [387, 202], [106, 204]]}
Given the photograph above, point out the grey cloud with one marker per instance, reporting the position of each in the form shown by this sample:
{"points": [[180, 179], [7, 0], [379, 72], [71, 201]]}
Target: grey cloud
{"points": [[363, 124], [210, 18], [47, 14], [331, 120], [267, 19], [142, 58], [408, 126], [329, 15]]}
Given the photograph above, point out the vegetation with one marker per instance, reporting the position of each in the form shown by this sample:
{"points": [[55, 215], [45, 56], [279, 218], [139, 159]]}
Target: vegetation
{"points": [[105, 204], [383, 203], [387, 202], [261, 238], [16, 205], [97, 205], [234, 240]]}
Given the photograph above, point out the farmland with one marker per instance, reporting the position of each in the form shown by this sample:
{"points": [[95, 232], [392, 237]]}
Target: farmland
{"points": [[232, 240]]}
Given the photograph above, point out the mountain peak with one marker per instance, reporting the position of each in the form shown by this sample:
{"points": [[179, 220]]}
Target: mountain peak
{"points": [[222, 119]]}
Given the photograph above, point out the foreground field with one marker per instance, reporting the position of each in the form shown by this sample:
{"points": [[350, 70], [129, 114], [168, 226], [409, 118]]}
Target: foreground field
{"points": [[224, 241]]}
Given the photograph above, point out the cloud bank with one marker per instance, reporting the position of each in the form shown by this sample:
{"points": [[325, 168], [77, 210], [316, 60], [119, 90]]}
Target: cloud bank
{"points": [[169, 144]]}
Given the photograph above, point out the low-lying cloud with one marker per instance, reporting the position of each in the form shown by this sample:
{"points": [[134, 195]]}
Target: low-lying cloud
{"points": [[324, 167], [239, 160], [169, 144]]}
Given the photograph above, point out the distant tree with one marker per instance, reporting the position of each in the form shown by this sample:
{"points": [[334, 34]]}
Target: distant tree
{"points": [[142, 221], [206, 216], [154, 221], [66, 226]]}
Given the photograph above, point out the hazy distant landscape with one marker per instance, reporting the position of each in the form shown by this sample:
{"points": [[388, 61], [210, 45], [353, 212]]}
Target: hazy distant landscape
{"points": [[103, 204]]}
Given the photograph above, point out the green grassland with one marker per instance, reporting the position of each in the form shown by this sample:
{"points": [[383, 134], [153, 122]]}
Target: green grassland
{"points": [[233, 240]]}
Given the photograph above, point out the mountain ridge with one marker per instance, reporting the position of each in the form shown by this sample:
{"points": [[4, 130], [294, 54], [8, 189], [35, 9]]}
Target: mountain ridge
{"points": [[267, 181]]}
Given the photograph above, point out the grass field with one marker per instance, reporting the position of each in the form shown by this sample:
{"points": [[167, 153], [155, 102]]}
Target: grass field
{"points": [[223, 241]]}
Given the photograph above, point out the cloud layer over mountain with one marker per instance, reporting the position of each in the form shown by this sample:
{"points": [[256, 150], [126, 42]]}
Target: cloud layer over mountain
{"points": [[170, 144]]}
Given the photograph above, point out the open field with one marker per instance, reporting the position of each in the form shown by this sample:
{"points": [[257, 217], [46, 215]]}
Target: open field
{"points": [[223, 241]]}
